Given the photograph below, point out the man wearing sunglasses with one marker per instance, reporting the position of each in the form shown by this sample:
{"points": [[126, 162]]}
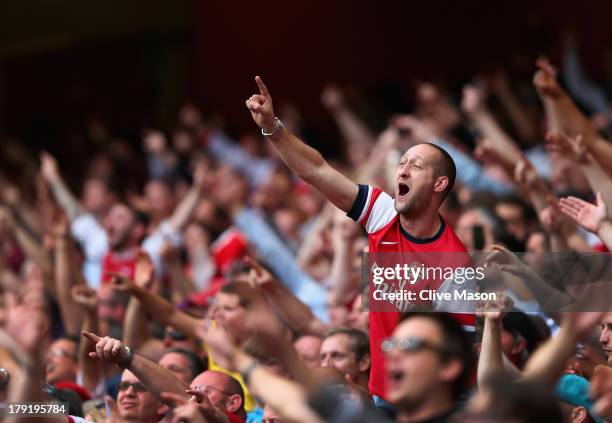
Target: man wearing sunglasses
{"points": [[429, 362], [136, 403]]}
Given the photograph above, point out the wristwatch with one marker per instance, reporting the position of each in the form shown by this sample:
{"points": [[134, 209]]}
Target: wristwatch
{"points": [[277, 130], [128, 360]]}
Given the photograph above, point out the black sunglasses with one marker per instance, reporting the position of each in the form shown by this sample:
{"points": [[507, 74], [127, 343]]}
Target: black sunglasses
{"points": [[138, 386]]}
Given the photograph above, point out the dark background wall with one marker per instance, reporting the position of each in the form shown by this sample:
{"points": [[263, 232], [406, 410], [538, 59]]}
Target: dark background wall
{"points": [[132, 62]]}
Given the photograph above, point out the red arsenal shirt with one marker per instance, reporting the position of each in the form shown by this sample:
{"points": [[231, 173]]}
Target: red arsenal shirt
{"points": [[375, 210]]}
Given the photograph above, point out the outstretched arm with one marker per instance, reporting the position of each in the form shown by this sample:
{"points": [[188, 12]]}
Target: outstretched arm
{"points": [[61, 192], [305, 161], [151, 374], [160, 309]]}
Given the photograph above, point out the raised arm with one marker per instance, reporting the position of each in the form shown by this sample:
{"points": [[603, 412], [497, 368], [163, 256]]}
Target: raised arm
{"points": [[294, 312], [305, 161], [91, 371], [563, 115], [547, 363], [151, 374], [48, 167], [473, 105], [160, 309]]}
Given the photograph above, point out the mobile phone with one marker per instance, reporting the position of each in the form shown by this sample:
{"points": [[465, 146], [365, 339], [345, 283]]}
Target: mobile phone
{"points": [[478, 237]]}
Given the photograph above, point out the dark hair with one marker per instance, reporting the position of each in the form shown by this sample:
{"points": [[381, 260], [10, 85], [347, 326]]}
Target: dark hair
{"points": [[360, 343], [523, 402], [196, 366], [72, 338], [457, 344], [245, 292], [445, 167]]}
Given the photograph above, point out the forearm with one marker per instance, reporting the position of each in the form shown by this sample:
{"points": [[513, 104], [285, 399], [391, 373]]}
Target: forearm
{"points": [[521, 121], [91, 369], [181, 283], [353, 129], [310, 165], [166, 313], [605, 234], [490, 362], [135, 327], [293, 311], [71, 312], [284, 396], [548, 362], [155, 377], [33, 249], [489, 128], [65, 198], [342, 282], [184, 210], [599, 182], [587, 93]]}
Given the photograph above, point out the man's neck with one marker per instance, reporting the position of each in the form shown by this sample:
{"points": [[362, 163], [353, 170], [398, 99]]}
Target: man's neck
{"points": [[435, 407], [425, 225]]}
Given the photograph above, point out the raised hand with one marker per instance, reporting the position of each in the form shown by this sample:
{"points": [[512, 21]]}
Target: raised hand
{"points": [[258, 276], [85, 296], [526, 176], [495, 310], [48, 166], [108, 349], [472, 101], [590, 216], [221, 346], [121, 283], [572, 148], [332, 98], [144, 271], [260, 106], [545, 79]]}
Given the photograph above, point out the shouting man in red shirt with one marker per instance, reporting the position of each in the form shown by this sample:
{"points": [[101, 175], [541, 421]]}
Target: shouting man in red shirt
{"points": [[410, 223]]}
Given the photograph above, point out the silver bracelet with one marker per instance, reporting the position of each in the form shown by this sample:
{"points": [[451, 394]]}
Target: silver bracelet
{"points": [[279, 127]]}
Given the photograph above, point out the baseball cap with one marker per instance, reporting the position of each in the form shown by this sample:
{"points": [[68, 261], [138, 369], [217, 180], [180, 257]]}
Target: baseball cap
{"points": [[574, 390]]}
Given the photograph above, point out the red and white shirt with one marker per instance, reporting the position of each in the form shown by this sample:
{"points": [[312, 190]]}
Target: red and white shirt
{"points": [[375, 210]]}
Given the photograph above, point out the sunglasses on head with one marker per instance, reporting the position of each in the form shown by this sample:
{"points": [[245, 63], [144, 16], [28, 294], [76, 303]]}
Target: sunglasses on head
{"points": [[138, 386], [412, 344]]}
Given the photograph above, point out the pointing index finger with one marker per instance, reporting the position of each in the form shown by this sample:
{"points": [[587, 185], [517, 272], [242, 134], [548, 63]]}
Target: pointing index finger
{"points": [[91, 336], [263, 90]]}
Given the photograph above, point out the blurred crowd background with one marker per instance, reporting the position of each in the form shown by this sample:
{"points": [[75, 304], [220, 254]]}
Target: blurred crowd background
{"points": [[139, 202]]}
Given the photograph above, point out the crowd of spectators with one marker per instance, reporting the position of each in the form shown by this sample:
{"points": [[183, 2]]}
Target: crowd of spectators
{"points": [[228, 289]]}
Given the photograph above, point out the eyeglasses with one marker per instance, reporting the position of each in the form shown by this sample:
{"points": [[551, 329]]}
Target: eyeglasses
{"points": [[207, 390], [412, 344], [138, 387]]}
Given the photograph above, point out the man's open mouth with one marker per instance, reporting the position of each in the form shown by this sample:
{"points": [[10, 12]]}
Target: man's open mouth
{"points": [[403, 189]]}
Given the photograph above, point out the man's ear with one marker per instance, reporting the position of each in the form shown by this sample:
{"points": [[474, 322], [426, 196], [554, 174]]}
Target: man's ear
{"points": [[163, 409], [365, 363], [451, 370], [579, 414], [441, 183], [234, 402], [519, 346]]}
